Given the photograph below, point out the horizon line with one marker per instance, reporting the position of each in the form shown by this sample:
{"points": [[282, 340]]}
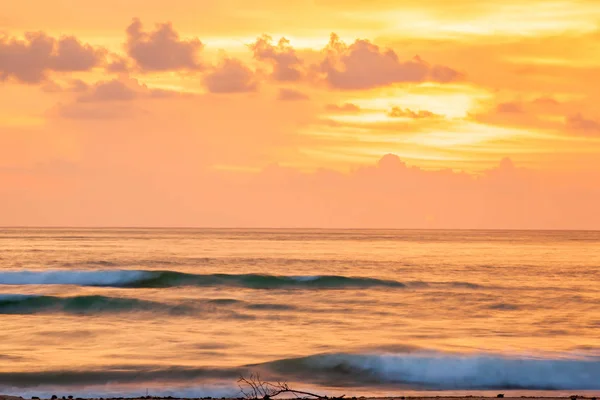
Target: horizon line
{"points": [[107, 227]]}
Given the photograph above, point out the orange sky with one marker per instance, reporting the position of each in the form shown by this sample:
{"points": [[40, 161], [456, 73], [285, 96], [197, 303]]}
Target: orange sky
{"points": [[322, 113]]}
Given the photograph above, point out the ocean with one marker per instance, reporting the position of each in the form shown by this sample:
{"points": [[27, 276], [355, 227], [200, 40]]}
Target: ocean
{"points": [[185, 312]]}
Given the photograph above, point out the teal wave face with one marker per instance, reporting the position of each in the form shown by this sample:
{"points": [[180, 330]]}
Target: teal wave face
{"points": [[257, 281], [28, 304], [163, 279], [96, 304]]}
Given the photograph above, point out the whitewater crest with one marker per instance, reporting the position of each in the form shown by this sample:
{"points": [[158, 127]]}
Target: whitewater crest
{"points": [[446, 371]]}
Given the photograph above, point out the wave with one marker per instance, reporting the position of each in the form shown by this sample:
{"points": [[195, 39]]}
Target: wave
{"points": [[163, 279], [34, 304], [416, 370], [115, 374], [444, 371], [94, 304]]}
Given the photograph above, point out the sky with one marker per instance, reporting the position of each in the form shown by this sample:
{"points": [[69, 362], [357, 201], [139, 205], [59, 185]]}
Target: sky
{"points": [[461, 114]]}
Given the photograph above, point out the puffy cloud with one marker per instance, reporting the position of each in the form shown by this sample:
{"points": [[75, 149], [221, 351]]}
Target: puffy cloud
{"points": [[407, 113], [72, 55], [579, 123], [391, 162], [162, 49], [286, 64], [231, 76], [343, 108], [30, 59], [364, 65], [113, 90], [117, 64], [291, 95], [107, 100], [126, 89]]}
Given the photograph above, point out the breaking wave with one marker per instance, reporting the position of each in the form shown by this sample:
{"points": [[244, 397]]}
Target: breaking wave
{"points": [[445, 371], [417, 370]]}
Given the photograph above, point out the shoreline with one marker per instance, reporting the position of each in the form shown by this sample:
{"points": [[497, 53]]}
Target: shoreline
{"points": [[466, 397]]}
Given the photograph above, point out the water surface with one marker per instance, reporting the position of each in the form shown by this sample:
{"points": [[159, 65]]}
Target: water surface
{"points": [[185, 312]]}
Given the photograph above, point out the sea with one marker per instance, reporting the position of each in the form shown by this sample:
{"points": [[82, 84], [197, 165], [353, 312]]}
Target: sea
{"points": [[187, 312]]}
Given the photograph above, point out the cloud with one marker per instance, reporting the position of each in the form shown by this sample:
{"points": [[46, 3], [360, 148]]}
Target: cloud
{"points": [[364, 65], [398, 112], [344, 108], [291, 95], [114, 90], [231, 76], [579, 123], [74, 86], [510, 107], [161, 49], [29, 60], [117, 64], [286, 64], [106, 100], [546, 102], [530, 114], [383, 194], [124, 89], [443, 74]]}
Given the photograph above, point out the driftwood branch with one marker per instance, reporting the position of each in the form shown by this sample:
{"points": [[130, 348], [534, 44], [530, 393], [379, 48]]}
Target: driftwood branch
{"points": [[254, 388]]}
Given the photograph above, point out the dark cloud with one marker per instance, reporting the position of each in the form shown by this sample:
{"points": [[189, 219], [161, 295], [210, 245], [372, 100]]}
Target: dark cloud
{"points": [[344, 108], [29, 60], [230, 76], [161, 49], [421, 114], [286, 64], [364, 65], [291, 95]]}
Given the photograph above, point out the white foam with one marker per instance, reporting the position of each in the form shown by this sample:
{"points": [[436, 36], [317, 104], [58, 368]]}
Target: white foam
{"points": [[446, 371]]}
